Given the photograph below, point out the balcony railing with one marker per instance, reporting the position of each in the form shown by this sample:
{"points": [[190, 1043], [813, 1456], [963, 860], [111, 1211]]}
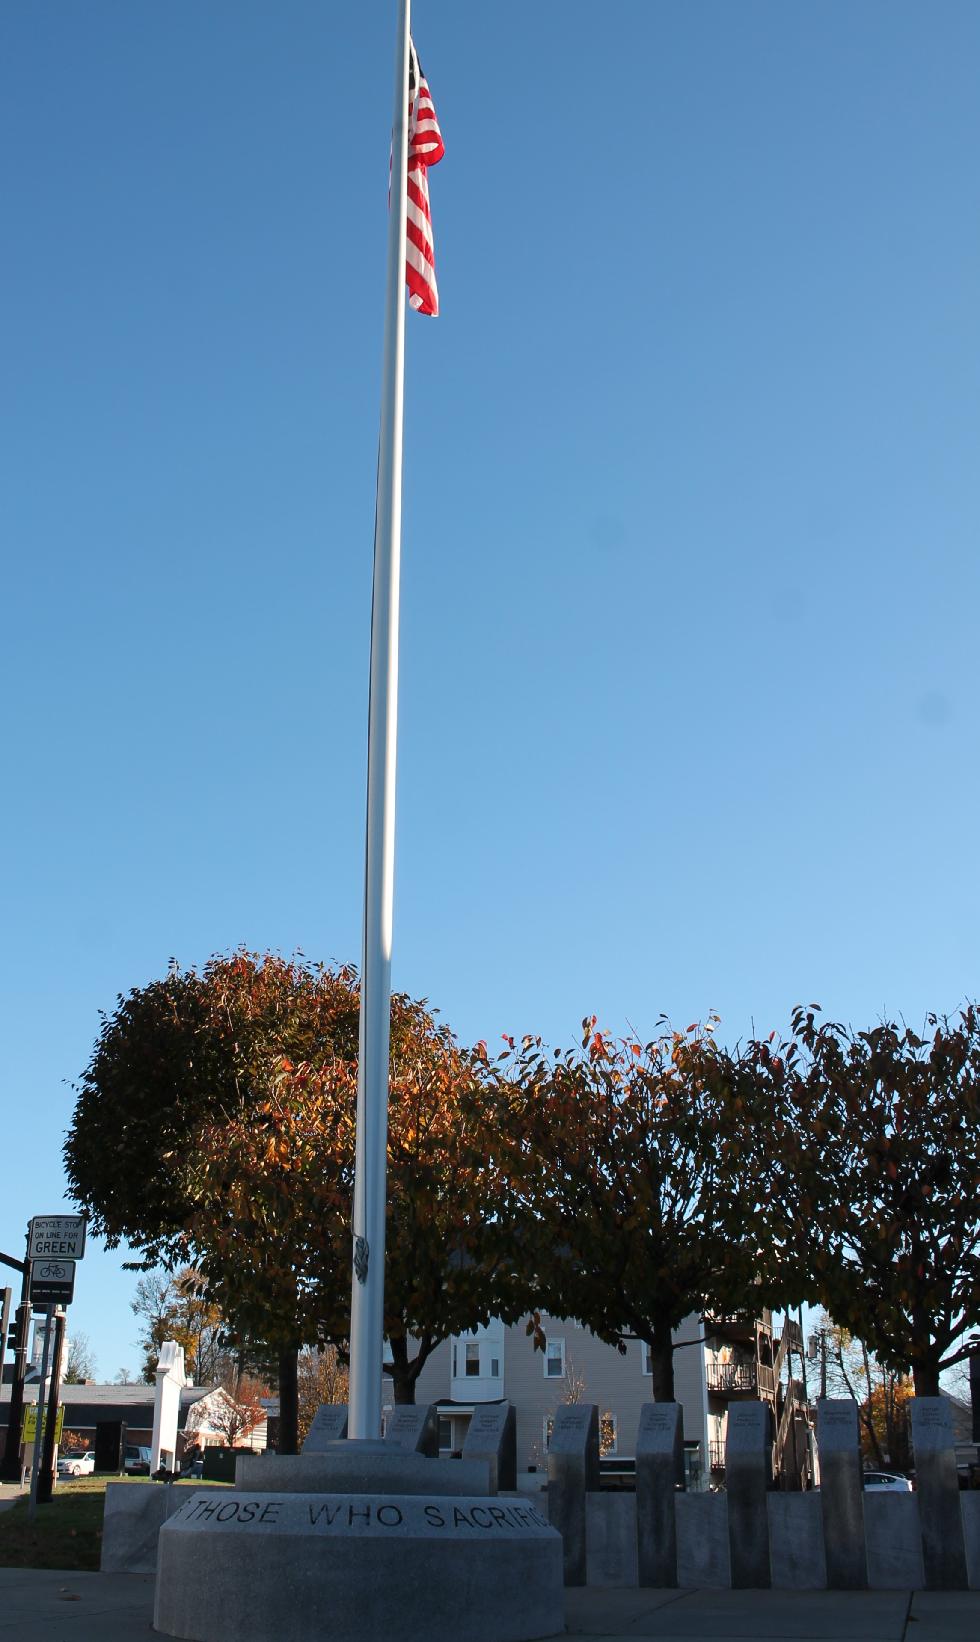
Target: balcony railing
{"points": [[731, 1376], [716, 1454]]}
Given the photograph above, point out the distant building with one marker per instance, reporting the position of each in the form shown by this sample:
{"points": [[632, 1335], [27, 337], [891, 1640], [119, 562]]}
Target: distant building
{"points": [[715, 1363]]}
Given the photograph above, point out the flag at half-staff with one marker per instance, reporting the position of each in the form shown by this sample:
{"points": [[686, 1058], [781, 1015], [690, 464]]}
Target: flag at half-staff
{"points": [[425, 148]]}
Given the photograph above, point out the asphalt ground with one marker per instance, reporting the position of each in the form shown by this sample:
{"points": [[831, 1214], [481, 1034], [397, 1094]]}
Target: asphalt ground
{"points": [[54, 1606]]}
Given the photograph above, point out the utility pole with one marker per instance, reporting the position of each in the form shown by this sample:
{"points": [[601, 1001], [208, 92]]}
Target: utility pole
{"points": [[818, 1342]]}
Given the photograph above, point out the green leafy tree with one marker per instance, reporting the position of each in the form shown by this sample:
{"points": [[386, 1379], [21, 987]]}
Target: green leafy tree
{"points": [[865, 1152], [173, 1307], [620, 1183], [79, 1359]]}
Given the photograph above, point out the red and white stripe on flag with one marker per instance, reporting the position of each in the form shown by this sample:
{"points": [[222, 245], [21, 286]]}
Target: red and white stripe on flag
{"points": [[425, 148]]}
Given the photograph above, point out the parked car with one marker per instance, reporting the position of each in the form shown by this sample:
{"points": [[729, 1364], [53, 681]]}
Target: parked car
{"points": [[136, 1461], [76, 1465], [887, 1481]]}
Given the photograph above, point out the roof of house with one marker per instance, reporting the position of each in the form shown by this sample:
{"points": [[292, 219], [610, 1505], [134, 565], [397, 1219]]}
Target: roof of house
{"points": [[86, 1404]]}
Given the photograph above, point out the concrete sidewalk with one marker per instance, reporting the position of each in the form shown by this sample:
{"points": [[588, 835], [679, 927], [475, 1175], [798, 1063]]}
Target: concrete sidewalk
{"points": [[42, 1606]]}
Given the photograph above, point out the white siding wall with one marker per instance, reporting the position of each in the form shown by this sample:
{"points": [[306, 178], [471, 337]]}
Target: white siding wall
{"points": [[616, 1381]]}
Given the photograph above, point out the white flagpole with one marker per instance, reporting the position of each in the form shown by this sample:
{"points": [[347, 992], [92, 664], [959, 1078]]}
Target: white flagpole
{"points": [[367, 1288]]}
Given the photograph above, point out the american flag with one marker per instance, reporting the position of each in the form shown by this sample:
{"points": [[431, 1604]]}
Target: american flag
{"points": [[425, 148]]}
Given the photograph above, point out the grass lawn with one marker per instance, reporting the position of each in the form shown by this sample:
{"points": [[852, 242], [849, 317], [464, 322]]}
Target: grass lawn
{"points": [[68, 1532]]}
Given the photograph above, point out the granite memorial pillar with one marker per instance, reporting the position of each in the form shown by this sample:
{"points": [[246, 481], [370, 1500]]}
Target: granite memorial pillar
{"points": [[940, 1516], [841, 1493], [748, 1478], [659, 1474], [573, 1470]]}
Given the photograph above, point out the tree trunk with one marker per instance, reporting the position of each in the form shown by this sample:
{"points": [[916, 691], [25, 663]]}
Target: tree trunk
{"points": [[662, 1362], [925, 1377], [867, 1413], [288, 1402], [403, 1373]]}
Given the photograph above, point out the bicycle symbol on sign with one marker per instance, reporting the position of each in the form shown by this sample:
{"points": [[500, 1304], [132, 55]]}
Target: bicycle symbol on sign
{"points": [[52, 1271]]}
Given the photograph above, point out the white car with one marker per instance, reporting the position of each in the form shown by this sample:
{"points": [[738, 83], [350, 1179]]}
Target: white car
{"points": [[77, 1465], [888, 1481]]}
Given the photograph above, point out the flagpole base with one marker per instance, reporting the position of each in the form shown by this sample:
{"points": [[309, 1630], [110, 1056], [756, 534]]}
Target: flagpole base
{"points": [[245, 1566]]}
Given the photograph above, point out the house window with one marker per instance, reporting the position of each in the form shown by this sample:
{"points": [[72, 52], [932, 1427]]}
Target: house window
{"points": [[554, 1359], [607, 1433], [472, 1360], [547, 1426], [455, 1359], [495, 1368], [646, 1357]]}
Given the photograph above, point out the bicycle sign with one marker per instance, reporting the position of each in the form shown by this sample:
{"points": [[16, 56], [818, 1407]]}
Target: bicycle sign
{"points": [[48, 1289]]}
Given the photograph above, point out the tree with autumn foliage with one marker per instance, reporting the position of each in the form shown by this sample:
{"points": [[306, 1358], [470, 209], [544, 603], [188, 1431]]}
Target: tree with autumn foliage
{"points": [[277, 1178], [620, 1184], [174, 1058], [881, 1395], [174, 1054], [865, 1151], [214, 1126]]}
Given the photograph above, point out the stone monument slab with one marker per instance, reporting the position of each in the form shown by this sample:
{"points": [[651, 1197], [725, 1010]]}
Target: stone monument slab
{"points": [[329, 1425], [659, 1474], [894, 1541], [414, 1427], [748, 1476], [703, 1556], [796, 1542], [357, 1568], [492, 1435], [610, 1537], [841, 1493], [573, 1470], [943, 1547]]}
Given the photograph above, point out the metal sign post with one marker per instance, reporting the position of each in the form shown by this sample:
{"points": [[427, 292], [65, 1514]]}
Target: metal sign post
{"points": [[10, 1467], [38, 1438]]}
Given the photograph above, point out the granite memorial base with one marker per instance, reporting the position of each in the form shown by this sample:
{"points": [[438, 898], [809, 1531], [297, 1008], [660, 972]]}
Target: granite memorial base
{"points": [[970, 1506], [357, 1567], [134, 1515], [703, 1555], [364, 1466], [796, 1542], [893, 1542], [611, 1541]]}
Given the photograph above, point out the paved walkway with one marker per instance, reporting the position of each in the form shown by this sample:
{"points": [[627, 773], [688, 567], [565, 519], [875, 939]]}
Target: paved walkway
{"points": [[41, 1606]]}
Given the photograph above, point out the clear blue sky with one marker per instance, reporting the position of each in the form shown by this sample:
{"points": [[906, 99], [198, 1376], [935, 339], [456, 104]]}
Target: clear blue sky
{"points": [[689, 638]]}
